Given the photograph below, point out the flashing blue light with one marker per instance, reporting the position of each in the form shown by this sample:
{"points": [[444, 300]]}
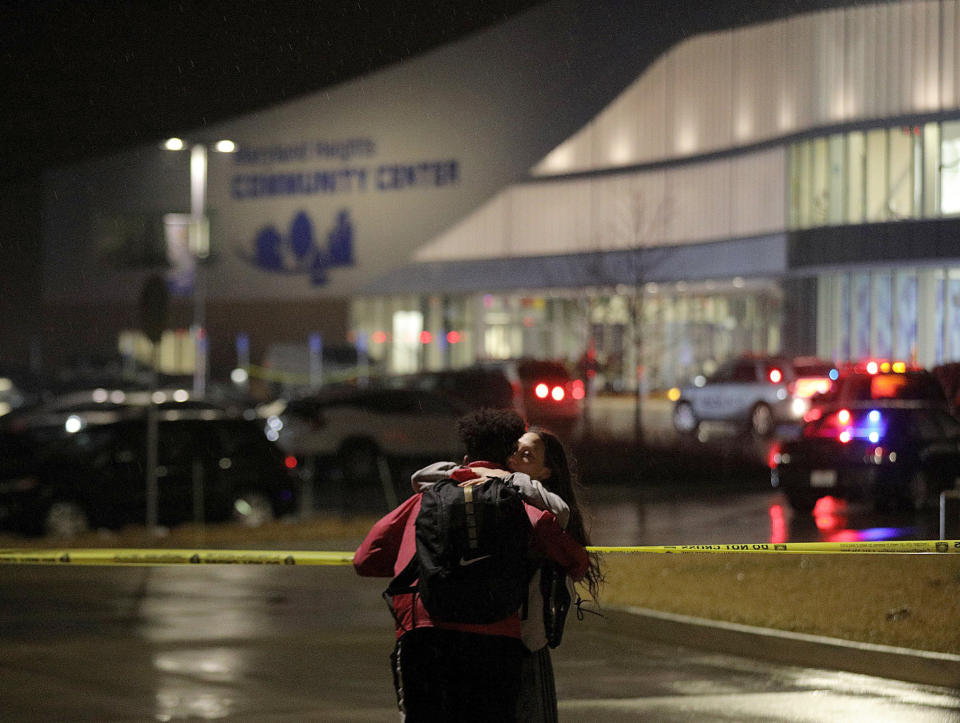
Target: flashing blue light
{"points": [[871, 427], [884, 533], [834, 375]]}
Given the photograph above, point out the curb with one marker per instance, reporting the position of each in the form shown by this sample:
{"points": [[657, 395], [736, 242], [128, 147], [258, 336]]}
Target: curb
{"points": [[815, 651]]}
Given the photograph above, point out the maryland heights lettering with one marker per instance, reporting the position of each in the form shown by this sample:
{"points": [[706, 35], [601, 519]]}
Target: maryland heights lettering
{"points": [[385, 177]]}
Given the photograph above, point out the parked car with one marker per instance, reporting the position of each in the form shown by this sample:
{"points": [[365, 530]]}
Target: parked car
{"points": [[879, 381], [900, 453], [210, 467], [540, 390], [470, 387], [18, 472], [17, 389], [361, 430], [545, 392], [760, 392]]}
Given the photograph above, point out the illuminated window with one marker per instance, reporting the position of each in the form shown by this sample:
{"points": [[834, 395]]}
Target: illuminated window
{"points": [[900, 196], [950, 168], [876, 179], [855, 184], [835, 179], [931, 169]]}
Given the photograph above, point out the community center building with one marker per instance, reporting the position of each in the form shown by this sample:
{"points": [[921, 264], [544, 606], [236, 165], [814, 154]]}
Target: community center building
{"points": [[600, 178]]}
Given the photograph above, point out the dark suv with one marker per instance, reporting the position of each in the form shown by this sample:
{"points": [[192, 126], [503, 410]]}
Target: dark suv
{"points": [[210, 468]]}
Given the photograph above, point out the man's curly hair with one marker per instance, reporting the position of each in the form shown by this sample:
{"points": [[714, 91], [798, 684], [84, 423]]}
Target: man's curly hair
{"points": [[491, 434]]}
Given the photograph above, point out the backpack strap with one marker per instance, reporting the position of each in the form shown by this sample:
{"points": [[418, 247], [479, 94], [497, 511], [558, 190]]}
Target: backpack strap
{"points": [[402, 584]]}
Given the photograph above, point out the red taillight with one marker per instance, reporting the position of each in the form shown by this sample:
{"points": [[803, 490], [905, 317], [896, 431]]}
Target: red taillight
{"points": [[773, 455], [775, 376], [290, 461], [836, 425], [577, 390], [541, 390], [558, 393]]}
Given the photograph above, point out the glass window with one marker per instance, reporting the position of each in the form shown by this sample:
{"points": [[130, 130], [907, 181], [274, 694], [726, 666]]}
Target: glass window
{"points": [[407, 326], [819, 182], [905, 342], [856, 183], [883, 319], [804, 185], [845, 335], [861, 315], [745, 371], [796, 172], [724, 373], [876, 179], [939, 290], [900, 195], [950, 168], [953, 311], [835, 181], [931, 169]]}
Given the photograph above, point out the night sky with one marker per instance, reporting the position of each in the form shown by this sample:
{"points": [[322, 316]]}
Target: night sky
{"points": [[80, 78], [84, 78]]}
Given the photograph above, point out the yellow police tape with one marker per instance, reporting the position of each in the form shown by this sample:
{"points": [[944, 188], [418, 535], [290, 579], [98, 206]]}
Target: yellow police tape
{"points": [[135, 556]]}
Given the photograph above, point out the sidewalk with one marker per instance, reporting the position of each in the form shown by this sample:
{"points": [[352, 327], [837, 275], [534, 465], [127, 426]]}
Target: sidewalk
{"points": [[914, 666]]}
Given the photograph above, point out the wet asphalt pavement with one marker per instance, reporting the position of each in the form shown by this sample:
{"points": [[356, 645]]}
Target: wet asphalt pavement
{"points": [[255, 643]]}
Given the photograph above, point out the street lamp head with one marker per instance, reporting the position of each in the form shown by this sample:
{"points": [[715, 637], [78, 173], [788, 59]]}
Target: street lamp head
{"points": [[178, 144]]}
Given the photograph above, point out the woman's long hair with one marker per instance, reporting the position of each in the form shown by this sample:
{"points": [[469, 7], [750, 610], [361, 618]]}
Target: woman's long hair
{"points": [[563, 482]]}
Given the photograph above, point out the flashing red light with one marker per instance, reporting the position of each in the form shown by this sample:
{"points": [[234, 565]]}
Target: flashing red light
{"points": [[843, 416], [558, 394], [578, 391], [290, 461], [426, 337], [830, 514], [776, 376], [773, 455], [453, 337], [378, 337], [872, 367], [844, 436], [779, 530], [541, 390]]}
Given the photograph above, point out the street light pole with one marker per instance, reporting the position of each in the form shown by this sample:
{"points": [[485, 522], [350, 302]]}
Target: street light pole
{"points": [[199, 235], [200, 245]]}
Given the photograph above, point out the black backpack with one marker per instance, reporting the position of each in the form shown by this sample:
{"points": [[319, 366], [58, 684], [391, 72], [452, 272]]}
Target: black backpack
{"points": [[471, 563]]}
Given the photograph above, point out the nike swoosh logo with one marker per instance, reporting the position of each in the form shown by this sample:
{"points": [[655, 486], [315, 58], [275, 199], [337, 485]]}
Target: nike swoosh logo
{"points": [[464, 562]]}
